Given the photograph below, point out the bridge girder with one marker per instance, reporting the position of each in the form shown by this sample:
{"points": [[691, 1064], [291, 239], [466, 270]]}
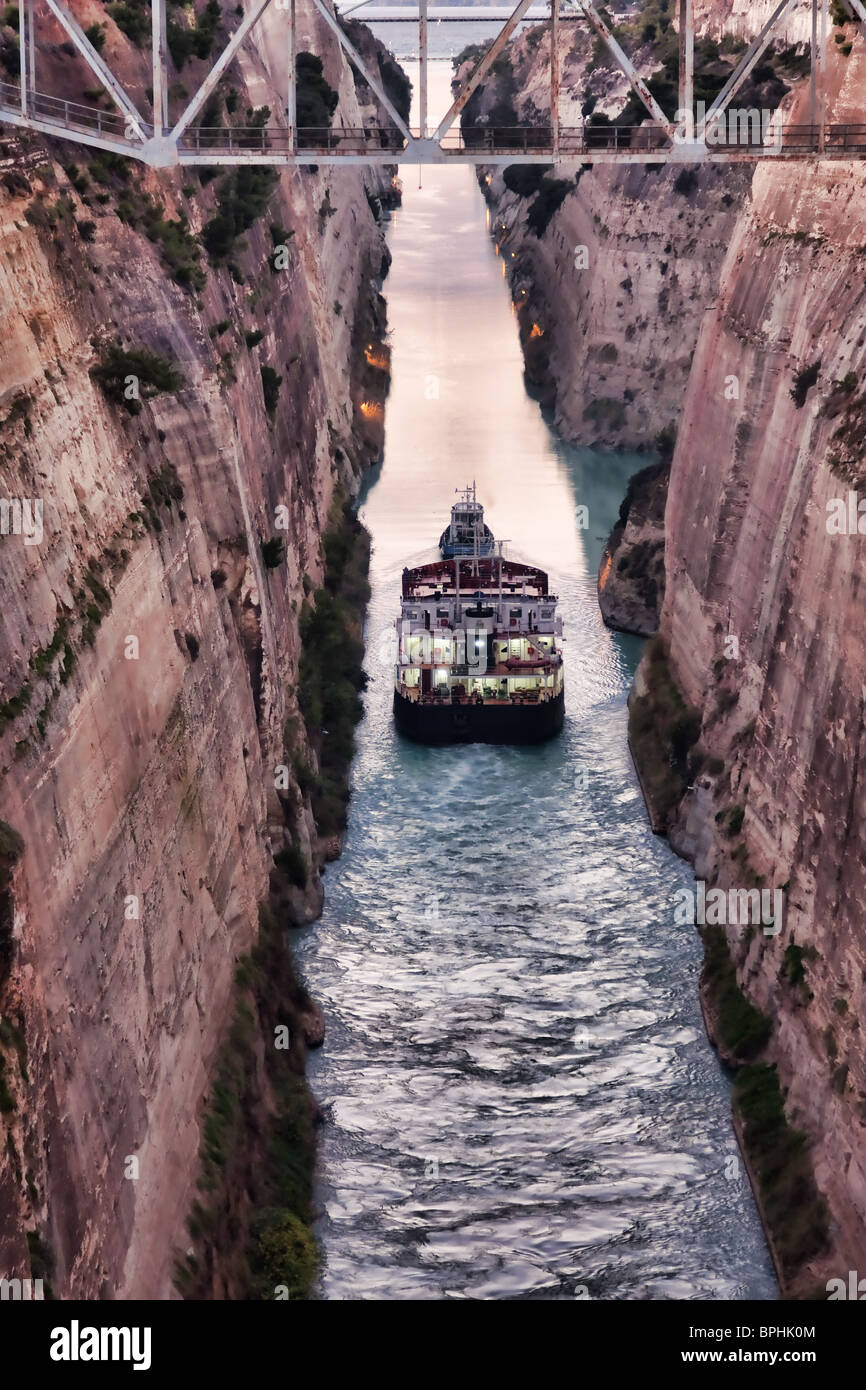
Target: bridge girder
{"points": [[161, 144]]}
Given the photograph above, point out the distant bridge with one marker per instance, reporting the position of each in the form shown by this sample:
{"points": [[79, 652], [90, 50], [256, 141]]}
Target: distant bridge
{"points": [[161, 143], [439, 14]]}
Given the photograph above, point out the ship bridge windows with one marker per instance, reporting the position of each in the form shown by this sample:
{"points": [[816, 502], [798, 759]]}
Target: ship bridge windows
{"points": [[428, 648]]}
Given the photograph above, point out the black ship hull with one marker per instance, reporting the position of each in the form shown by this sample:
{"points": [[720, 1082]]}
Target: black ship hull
{"points": [[471, 723]]}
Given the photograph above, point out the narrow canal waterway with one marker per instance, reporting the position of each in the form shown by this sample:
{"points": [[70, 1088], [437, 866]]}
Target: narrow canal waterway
{"points": [[522, 1101]]}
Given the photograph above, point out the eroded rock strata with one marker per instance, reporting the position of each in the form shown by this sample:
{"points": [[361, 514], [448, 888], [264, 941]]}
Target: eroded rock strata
{"points": [[762, 627], [189, 375], [747, 713]]}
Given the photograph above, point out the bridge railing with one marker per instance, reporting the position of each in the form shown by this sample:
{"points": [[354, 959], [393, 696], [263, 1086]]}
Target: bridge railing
{"points": [[583, 141], [72, 115], [278, 140], [538, 139]]}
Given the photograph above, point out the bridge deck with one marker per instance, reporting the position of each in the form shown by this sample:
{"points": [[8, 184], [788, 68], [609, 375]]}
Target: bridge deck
{"points": [[385, 145]]}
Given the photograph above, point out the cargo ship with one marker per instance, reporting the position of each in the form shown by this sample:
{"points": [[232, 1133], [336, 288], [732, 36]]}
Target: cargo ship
{"points": [[479, 642]]}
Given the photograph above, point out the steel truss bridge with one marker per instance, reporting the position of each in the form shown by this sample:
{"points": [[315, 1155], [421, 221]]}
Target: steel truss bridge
{"points": [[155, 140]]}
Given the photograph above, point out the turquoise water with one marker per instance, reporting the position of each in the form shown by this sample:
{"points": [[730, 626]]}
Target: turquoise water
{"points": [[522, 1101]]}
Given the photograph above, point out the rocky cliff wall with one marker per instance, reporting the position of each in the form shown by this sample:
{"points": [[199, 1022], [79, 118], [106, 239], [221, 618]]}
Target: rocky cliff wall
{"points": [[611, 286], [762, 621], [148, 651]]}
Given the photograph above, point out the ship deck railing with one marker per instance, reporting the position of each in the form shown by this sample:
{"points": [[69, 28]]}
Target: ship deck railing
{"points": [[424, 592], [522, 697], [488, 673]]}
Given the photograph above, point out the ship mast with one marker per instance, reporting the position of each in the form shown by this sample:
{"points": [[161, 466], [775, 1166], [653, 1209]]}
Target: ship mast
{"points": [[500, 544]]}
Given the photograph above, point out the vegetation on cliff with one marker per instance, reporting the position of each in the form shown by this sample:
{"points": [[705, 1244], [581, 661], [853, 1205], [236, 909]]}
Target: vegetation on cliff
{"points": [[632, 572], [331, 674], [793, 1210], [250, 1225], [394, 81], [11, 849], [662, 731]]}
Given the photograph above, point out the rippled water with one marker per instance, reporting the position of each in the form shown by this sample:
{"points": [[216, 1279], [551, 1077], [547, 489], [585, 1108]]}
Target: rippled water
{"points": [[521, 1098]]}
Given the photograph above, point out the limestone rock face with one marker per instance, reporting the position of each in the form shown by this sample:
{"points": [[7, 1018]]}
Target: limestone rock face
{"points": [[746, 18], [763, 619], [759, 355], [631, 579], [611, 295], [151, 658]]}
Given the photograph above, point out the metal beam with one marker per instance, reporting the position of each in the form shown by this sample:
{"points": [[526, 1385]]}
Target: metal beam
{"points": [[822, 76], [31, 41], [749, 60], [160, 75], [481, 67], [368, 77], [813, 67], [687, 65], [219, 67], [292, 93], [23, 54], [102, 70], [422, 59], [627, 65], [554, 74]]}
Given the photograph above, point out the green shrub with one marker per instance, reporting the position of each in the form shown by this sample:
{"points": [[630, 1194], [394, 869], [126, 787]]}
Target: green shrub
{"points": [[293, 864], [686, 182], [259, 1090], [795, 1210], [274, 552], [11, 844], [152, 373], [11, 849], [330, 674], [132, 18], [95, 35], [606, 412], [666, 443], [736, 816], [551, 195], [7, 1101], [196, 42], [525, 179], [793, 966], [743, 1030], [164, 488], [242, 198], [803, 383], [662, 731], [284, 1256], [271, 383], [316, 101], [15, 705]]}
